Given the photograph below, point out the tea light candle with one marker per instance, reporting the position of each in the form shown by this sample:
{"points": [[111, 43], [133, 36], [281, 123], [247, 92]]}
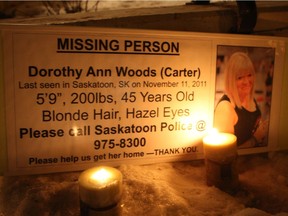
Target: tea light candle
{"points": [[220, 151], [100, 188]]}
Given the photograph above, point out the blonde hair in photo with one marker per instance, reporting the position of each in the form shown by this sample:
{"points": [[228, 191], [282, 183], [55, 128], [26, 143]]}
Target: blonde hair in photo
{"points": [[238, 63]]}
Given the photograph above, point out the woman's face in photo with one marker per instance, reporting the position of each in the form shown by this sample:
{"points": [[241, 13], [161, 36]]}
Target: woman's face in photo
{"points": [[244, 82]]}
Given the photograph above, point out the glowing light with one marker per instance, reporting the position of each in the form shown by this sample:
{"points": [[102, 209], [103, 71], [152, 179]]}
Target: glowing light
{"points": [[185, 120], [101, 175], [219, 146], [213, 132], [75, 131], [100, 187], [214, 137]]}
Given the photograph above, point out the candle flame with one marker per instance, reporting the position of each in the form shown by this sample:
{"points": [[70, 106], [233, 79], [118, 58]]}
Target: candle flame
{"points": [[75, 131], [101, 175], [217, 138], [213, 131]]}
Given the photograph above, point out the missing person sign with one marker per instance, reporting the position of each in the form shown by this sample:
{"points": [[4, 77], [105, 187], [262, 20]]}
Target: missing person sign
{"points": [[78, 97]]}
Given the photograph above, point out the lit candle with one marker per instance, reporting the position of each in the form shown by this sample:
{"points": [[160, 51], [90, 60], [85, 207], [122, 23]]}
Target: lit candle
{"points": [[100, 190], [220, 146], [220, 151]]}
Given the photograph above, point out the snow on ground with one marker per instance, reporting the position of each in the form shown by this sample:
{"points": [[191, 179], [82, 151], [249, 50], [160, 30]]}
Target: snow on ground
{"points": [[177, 188]]}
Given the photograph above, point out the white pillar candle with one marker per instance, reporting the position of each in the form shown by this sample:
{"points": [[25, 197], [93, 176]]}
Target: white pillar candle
{"points": [[100, 187], [220, 151]]}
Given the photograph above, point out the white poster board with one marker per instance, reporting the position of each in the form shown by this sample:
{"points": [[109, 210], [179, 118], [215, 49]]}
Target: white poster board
{"points": [[80, 97]]}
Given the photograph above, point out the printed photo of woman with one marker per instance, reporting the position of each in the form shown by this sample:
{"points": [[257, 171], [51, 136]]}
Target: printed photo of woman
{"points": [[236, 110]]}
